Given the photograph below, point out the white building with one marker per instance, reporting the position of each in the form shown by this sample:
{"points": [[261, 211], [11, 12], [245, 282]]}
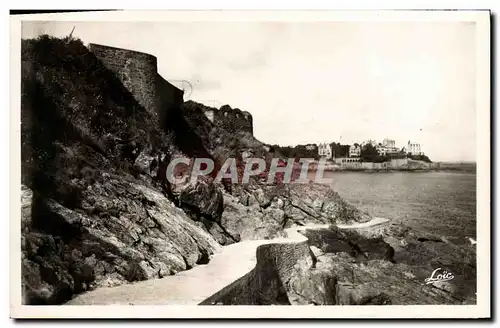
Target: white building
{"points": [[348, 162], [413, 148], [381, 149], [389, 143], [354, 151], [325, 150], [310, 146]]}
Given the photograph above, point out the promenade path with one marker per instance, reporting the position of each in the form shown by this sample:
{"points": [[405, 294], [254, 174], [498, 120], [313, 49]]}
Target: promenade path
{"points": [[192, 286]]}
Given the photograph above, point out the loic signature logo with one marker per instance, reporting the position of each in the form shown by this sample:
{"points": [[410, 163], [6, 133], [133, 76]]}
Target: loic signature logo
{"points": [[436, 276]]}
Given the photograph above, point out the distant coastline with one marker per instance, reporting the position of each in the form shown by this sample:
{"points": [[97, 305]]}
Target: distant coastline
{"points": [[435, 167], [392, 170]]}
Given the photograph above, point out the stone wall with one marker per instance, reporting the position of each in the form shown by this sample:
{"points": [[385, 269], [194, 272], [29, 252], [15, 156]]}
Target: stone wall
{"points": [[138, 73], [231, 119], [136, 70], [267, 283], [168, 97], [399, 162]]}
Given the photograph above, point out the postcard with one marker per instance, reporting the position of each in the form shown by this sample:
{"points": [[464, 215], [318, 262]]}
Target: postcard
{"points": [[250, 164]]}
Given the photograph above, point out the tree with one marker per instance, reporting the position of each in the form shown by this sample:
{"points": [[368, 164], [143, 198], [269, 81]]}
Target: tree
{"points": [[420, 158], [299, 151], [339, 150], [369, 153]]}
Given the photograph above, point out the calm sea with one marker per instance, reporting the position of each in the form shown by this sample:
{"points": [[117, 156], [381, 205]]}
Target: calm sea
{"points": [[443, 203]]}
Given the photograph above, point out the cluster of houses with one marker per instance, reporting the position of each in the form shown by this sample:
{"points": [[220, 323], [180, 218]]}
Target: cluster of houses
{"points": [[385, 148]]}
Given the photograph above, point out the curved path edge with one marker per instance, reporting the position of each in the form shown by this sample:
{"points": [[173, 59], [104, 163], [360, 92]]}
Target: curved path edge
{"points": [[232, 272], [264, 284]]}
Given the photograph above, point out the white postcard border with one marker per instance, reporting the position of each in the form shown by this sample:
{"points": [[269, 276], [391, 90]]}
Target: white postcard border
{"points": [[482, 309]]}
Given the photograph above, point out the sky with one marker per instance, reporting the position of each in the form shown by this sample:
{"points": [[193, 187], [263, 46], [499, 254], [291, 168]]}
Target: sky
{"points": [[313, 82]]}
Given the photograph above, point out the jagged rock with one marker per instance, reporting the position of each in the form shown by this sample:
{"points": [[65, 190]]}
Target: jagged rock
{"points": [[118, 240], [45, 277], [244, 199], [278, 203], [301, 204], [146, 163], [248, 199], [245, 223], [316, 204], [252, 201], [274, 216], [262, 198], [360, 295], [302, 214], [361, 249], [308, 285], [202, 198], [218, 233], [316, 251]]}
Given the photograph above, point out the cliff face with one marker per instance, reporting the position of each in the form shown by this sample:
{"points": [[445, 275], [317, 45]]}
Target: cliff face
{"points": [[93, 215]]}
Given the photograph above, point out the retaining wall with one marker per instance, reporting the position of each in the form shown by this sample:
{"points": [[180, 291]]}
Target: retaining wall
{"points": [[266, 283]]}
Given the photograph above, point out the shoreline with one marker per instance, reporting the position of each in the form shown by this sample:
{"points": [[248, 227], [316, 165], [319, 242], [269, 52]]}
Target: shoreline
{"points": [[393, 170]]}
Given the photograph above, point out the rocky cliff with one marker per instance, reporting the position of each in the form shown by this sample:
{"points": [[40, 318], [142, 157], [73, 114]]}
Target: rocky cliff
{"points": [[95, 211]]}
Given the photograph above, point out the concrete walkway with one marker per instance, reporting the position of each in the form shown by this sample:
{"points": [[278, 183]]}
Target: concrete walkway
{"points": [[373, 222], [192, 286]]}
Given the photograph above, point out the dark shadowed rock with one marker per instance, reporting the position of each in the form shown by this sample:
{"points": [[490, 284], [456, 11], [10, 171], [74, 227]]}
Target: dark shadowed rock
{"points": [[219, 234]]}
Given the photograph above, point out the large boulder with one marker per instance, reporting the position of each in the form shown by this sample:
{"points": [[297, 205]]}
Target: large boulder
{"points": [[317, 203], [250, 222], [202, 198], [311, 285]]}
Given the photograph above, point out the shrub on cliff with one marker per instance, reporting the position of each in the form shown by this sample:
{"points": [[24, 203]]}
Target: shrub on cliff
{"points": [[420, 158], [299, 151]]}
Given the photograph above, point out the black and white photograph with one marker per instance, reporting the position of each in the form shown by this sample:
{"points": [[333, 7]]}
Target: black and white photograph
{"points": [[246, 165]]}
